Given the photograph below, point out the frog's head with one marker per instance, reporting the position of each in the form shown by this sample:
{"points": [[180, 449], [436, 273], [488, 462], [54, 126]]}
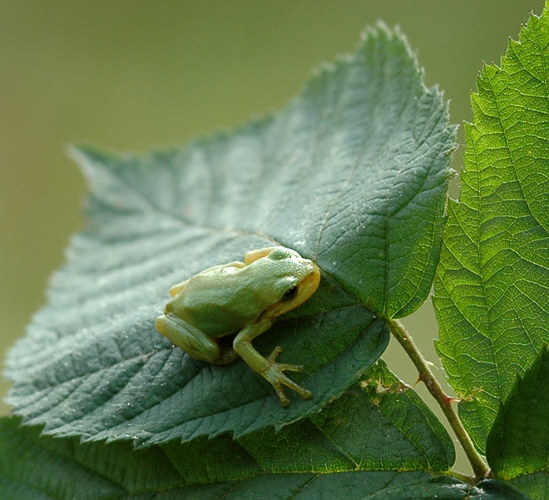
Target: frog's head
{"points": [[293, 280]]}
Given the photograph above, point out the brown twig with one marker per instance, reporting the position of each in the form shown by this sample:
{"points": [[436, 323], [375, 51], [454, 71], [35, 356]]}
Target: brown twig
{"points": [[480, 467]]}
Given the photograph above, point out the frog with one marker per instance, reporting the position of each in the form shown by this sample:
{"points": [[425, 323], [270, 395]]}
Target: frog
{"points": [[216, 314]]}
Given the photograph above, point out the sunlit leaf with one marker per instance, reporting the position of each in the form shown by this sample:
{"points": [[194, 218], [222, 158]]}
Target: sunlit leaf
{"points": [[491, 290]]}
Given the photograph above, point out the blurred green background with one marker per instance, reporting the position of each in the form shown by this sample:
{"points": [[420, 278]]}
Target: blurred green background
{"points": [[141, 74]]}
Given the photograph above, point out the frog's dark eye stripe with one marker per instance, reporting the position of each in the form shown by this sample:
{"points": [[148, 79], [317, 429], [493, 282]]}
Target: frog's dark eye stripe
{"points": [[290, 294]]}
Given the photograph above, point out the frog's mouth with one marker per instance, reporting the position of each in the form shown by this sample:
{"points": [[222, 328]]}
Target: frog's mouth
{"points": [[306, 287]]}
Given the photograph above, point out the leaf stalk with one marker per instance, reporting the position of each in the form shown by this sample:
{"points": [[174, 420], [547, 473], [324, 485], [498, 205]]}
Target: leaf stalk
{"points": [[480, 467]]}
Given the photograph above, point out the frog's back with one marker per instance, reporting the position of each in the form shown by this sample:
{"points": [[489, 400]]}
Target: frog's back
{"points": [[222, 300]]}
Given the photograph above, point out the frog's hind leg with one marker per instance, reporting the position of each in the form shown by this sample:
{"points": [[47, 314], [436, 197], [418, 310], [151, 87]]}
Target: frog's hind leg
{"points": [[227, 354], [190, 339]]}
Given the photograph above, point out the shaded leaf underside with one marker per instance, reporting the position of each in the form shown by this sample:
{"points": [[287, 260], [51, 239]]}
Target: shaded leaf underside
{"points": [[518, 444]]}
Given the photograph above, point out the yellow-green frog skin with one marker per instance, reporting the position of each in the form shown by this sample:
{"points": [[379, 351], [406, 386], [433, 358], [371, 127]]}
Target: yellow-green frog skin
{"points": [[242, 298]]}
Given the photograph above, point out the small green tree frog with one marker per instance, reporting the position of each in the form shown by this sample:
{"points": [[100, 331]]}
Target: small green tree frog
{"points": [[242, 298]]}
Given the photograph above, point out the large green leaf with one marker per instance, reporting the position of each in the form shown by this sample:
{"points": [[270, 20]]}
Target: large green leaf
{"points": [[491, 290], [353, 174], [518, 444]]}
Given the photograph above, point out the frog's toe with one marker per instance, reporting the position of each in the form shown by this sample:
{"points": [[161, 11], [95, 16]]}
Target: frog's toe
{"points": [[291, 368], [304, 393], [274, 373], [272, 357], [280, 380], [284, 401]]}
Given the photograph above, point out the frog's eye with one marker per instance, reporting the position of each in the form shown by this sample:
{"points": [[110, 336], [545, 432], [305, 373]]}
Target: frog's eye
{"points": [[290, 294]]}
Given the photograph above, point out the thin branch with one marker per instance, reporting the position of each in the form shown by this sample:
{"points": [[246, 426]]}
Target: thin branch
{"points": [[480, 467]]}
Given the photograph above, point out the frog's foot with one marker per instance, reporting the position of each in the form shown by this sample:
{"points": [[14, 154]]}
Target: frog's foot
{"points": [[274, 374]]}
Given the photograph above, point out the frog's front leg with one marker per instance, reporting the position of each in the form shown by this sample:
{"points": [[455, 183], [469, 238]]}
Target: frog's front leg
{"points": [[192, 340], [268, 367]]}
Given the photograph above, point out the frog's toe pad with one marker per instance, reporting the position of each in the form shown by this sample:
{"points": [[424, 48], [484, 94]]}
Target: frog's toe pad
{"points": [[275, 375], [290, 368], [272, 357]]}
